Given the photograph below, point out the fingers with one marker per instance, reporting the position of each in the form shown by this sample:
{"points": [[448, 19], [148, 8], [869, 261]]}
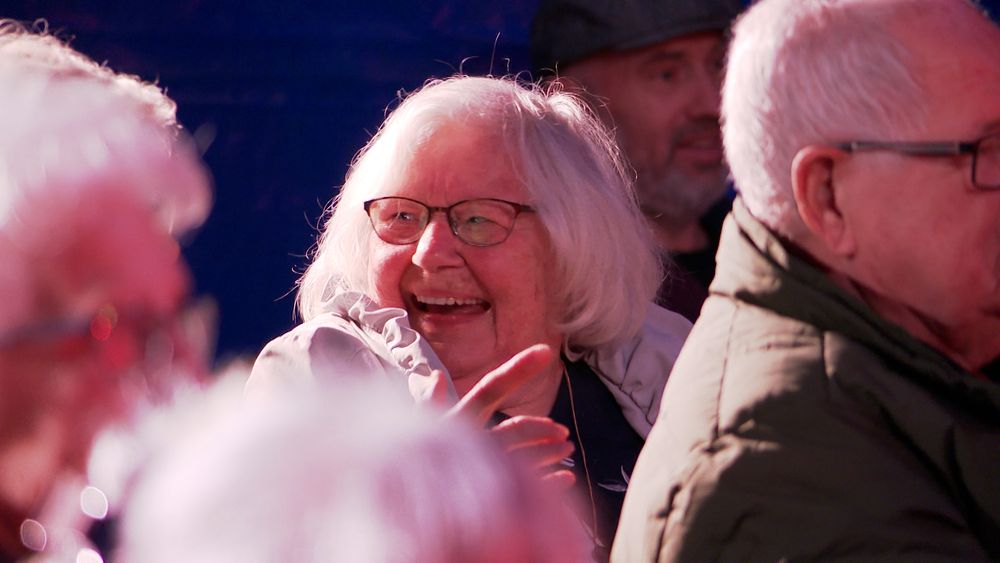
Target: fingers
{"points": [[485, 397], [540, 456], [537, 442], [560, 480], [520, 431]]}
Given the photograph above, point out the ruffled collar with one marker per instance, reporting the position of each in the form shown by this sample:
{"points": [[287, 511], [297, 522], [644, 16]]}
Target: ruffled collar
{"points": [[407, 349]]}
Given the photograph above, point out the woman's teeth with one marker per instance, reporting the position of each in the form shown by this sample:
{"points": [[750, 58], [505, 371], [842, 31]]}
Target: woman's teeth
{"points": [[446, 301]]}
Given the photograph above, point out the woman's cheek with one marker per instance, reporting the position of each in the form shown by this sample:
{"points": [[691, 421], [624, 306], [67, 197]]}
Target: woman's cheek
{"points": [[388, 266]]}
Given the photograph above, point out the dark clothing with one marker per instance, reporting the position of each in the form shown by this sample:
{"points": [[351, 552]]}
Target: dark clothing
{"points": [[992, 371], [798, 424], [611, 446], [11, 548], [688, 274], [681, 291]]}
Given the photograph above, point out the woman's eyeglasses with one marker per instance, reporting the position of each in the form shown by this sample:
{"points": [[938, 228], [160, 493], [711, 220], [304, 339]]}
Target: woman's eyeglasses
{"points": [[478, 222]]}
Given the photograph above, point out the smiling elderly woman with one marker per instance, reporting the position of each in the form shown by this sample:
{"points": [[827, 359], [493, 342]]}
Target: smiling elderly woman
{"points": [[487, 216]]}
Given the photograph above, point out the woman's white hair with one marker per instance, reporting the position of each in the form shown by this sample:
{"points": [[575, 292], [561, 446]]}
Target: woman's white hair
{"points": [[603, 256], [356, 473], [803, 72]]}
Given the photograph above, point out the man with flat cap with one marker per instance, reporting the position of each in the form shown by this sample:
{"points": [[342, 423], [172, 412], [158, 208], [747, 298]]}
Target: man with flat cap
{"points": [[651, 70]]}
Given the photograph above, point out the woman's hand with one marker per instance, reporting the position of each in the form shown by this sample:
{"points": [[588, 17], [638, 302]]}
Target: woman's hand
{"points": [[538, 441], [483, 400]]}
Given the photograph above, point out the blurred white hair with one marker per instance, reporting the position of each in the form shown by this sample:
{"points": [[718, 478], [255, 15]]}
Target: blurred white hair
{"points": [[72, 133], [803, 72], [70, 125], [352, 473], [604, 259], [37, 47]]}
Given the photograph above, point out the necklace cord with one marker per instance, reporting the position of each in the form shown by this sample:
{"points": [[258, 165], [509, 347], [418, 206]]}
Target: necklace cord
{"points": [[583, 452]]}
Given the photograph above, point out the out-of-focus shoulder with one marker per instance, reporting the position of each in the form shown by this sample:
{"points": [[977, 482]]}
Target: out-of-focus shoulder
{"points": [[325, 347]]}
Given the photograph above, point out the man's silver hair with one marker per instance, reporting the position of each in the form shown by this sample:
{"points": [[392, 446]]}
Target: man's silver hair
{"points": [[605, 265], [803, 72]]}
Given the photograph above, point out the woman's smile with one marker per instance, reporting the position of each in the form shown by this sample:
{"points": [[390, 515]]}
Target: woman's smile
{"points": [[446, 306]]}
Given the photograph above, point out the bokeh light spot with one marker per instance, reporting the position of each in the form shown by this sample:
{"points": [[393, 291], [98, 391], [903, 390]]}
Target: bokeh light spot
{"points": [[94, 503], [33, 535], [87, 555]]}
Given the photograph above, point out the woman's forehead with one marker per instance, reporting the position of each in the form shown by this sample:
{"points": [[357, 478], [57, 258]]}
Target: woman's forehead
{"points": [[458, 161]]}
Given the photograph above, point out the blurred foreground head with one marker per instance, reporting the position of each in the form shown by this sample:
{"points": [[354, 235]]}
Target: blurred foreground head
{"points": [[352, 473], [95, 186]]}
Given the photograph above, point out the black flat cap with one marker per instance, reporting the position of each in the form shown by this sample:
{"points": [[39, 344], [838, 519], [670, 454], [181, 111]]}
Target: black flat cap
{"points": [[565, 31]]}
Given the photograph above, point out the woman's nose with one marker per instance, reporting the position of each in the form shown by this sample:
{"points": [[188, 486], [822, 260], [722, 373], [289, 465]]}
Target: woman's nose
{"points": [[438, 247]]}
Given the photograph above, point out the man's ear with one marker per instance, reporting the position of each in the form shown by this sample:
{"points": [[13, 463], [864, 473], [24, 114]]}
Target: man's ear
{"points": [[816, 196]]}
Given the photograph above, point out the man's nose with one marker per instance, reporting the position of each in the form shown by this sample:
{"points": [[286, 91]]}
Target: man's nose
{"points": [[706, 96], [437, 246]]}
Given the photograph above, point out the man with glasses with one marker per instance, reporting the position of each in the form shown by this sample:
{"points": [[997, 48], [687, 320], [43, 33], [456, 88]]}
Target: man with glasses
{"points": [[94, 188], [834, 399]]}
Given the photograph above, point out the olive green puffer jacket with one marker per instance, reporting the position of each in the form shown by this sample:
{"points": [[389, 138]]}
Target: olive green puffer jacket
{"points": [[799, 425]]}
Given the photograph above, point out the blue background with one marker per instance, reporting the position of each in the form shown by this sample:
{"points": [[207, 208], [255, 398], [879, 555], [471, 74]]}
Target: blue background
{"points": [[289, 91]]}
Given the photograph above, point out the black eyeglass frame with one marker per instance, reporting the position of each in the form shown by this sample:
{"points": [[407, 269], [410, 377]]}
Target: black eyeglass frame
{"points": [[452, 224], [928, 148]]}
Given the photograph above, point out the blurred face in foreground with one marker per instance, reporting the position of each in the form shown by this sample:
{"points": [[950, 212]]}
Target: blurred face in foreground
{"points": [[476, 305], [106, 291]]}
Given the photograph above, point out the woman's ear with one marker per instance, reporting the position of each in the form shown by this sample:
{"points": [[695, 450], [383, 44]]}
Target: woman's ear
{"points": [[816, 196]]}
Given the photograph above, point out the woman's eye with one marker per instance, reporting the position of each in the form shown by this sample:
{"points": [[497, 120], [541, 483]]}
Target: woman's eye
{"points": [[479, 220]]}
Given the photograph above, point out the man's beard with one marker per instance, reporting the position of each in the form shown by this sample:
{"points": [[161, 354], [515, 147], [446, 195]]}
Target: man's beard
{"points": [[678, 197], [669, 193]]}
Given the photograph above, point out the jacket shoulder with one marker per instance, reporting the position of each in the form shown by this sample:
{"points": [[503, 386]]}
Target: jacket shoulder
{"points": [[326, 347], [759, 455], [636, 371]]}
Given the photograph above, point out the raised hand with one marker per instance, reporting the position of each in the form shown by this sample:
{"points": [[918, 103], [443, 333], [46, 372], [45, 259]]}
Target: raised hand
{"points": [[538, 441]]}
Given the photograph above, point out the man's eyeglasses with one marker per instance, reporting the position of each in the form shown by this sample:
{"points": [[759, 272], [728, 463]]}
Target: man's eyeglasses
{"points": [[478, 222], [985, 154]]}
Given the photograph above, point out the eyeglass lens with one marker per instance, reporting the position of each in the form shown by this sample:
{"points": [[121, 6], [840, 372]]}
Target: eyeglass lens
{"points": [[480, 222]]}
